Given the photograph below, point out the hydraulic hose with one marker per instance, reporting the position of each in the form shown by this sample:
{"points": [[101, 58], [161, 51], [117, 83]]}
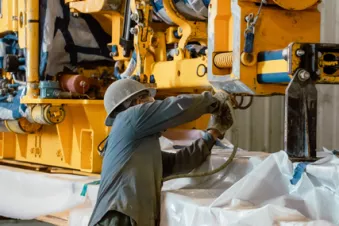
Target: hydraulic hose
{"points": [[129, 70], [223, 166]]}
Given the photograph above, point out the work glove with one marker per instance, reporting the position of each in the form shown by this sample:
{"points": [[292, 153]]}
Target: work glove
{"points": [[221, 119]]}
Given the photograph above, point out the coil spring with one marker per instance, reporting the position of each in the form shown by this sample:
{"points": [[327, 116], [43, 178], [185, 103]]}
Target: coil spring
{"points": [[223, 60], [239, 105]]}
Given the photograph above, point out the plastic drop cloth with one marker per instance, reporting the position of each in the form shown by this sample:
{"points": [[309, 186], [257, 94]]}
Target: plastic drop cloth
{"points": [[254, 190], [67, 41]]}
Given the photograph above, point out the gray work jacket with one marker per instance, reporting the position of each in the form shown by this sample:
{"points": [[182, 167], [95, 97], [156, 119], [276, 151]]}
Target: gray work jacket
{"points": [[133, 165]]}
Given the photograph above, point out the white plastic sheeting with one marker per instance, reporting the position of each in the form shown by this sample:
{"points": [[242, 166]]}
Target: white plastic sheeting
{"points": [[27, 195], [67, 40], [254, 190]]}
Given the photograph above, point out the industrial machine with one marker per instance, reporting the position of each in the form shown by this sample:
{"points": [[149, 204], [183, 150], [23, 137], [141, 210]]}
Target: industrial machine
{"points": [[58, 57]]}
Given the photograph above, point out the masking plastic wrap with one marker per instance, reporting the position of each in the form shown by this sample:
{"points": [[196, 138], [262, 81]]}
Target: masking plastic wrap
{"points": [[255, 190]]}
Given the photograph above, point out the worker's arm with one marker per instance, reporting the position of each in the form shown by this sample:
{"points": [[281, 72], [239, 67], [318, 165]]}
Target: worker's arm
{"points": [[188, 158], [155, 117]]}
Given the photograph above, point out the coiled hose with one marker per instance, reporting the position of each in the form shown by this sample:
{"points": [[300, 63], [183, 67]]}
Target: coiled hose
{"points": [[223, 166]]}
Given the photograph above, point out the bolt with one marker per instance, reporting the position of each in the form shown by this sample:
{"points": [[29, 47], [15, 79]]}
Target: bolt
{"points": [[300, 52], [304, 75], [83, 84], [135, 17], [318, 72], [113, 54], [124, 53], [180, 29], [134, 30], [76, 15]]}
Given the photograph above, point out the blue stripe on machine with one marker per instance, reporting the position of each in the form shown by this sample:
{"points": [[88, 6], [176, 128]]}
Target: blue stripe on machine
{"points": [[206, 2], [280, 77], [270, 55]]}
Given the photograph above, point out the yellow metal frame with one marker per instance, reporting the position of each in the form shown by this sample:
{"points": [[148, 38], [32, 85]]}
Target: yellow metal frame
{"points": [[276, 28], [324, 78], [73, 143], [70, 144]]}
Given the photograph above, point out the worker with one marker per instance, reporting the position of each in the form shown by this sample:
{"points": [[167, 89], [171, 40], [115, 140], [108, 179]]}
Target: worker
{"points": [[133, 164]]}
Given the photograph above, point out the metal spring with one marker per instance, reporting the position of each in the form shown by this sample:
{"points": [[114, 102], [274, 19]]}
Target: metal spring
{"points": [[239, 105], [223, 60]]}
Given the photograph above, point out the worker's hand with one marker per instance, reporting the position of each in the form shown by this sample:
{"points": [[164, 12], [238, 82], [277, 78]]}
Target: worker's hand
{"points": [[222, 97], [222, 119]]}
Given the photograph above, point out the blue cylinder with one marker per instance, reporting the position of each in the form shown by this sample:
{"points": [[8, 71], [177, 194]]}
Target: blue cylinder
{"points": [[274, 78]]}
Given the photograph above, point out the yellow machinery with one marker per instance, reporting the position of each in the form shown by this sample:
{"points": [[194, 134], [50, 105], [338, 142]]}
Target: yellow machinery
{"points": [[245, 47]]}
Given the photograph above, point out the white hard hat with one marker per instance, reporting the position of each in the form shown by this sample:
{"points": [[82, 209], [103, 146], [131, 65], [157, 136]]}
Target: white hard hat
{"points": [[120, 91]]}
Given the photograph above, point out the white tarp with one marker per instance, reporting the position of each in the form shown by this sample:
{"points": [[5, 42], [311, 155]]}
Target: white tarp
{"points": [[254, 190], [67, 41]]}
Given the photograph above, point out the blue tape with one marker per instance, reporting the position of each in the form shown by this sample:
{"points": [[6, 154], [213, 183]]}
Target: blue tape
{"points": [[298, 171], [84, 189], [114, 49], [152, 79], [249, 40], [157, 5]]}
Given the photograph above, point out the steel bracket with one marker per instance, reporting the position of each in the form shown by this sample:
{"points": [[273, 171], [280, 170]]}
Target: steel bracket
{"points": [[301, 117]]}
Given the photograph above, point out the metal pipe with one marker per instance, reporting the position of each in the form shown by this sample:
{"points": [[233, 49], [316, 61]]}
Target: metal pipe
{"points": [[32, 48], [3, 128], [20, 126], [17, 81], [129, 70], [127, 38], [47, 114]]}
